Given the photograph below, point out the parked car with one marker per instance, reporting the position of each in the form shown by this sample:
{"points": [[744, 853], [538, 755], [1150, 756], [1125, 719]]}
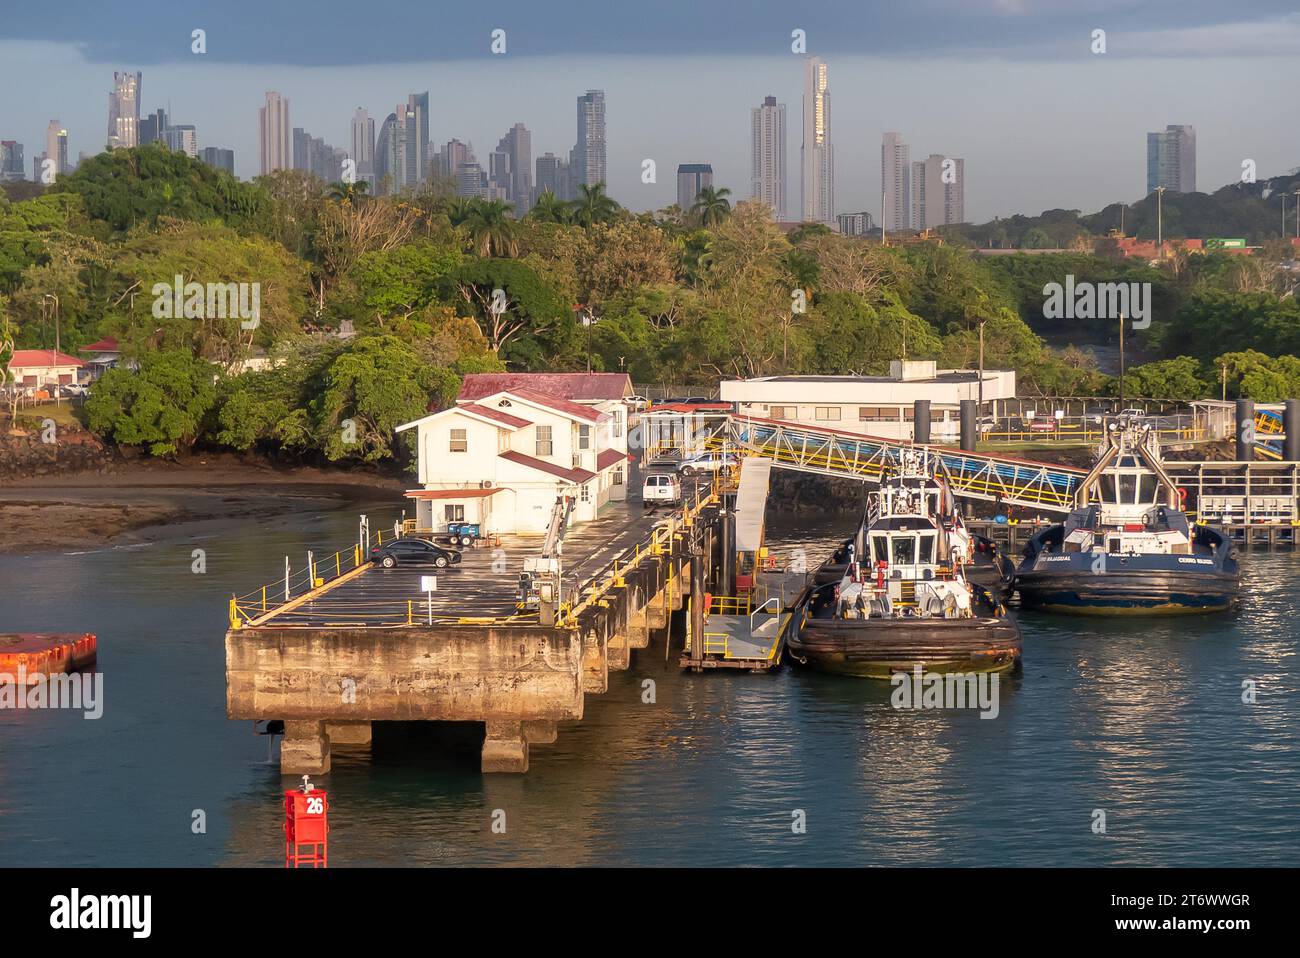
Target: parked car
{"points": [[413, 551], [661, 489], [707, 462], [1043, 424], [74, 389]]}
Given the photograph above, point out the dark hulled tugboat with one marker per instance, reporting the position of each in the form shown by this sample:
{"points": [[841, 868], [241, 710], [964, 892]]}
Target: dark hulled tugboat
{"points": [[1127, 548], [900, 596]]}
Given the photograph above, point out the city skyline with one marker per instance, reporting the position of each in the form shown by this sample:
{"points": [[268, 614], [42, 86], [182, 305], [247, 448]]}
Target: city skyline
{"points": [[1016, 176]]}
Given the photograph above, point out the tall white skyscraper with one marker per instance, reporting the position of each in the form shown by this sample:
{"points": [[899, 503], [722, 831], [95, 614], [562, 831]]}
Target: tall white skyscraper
{"points": [[895, 182], [56, 149], [362, 147], [817, 156], [938, 191], [587, 164], [124, 110], [1171, 159], [276, 134], [767, 155], [183, 139]]}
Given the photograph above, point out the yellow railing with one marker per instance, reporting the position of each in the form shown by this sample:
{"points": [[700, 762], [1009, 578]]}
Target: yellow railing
{"points": [[731, 605]]}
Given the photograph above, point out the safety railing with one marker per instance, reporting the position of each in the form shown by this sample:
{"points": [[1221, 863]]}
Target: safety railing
{"points": [[274, 596]]}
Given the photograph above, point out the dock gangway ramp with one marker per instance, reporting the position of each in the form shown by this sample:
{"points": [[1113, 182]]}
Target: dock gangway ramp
{"points": [[851, 455], [751, 502]]}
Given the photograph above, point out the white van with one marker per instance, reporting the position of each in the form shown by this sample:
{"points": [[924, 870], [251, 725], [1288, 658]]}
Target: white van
{"points": [[661, 489]]}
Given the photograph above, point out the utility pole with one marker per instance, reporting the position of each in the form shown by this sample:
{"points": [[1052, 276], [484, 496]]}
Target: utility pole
{"points": [[980, 410], [1160, 232], [1297, 213]]}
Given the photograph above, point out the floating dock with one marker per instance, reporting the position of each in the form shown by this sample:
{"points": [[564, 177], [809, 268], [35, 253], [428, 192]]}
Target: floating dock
{"points": [[37, 655]]}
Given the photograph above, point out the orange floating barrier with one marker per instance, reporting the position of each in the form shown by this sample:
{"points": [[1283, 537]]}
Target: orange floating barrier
{"points": [[36, 654]]}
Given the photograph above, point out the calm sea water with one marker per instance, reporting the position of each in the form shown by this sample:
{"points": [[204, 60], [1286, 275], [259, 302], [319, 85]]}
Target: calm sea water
{"points": [[1143, 720]]}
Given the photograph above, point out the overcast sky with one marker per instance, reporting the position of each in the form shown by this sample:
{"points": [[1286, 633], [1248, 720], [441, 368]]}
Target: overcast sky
{"points": [[1010, 85]]}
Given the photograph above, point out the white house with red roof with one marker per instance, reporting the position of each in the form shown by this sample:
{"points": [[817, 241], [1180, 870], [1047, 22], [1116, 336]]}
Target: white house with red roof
{"points": [[514, 442], [44, 368]]}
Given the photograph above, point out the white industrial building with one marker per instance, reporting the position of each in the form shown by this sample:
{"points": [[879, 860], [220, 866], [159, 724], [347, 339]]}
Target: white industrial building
{"points": [[872, 405], [514, 442]]}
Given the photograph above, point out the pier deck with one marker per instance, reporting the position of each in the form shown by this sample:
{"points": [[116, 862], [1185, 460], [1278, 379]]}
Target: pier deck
{"points": [[481, 585]]}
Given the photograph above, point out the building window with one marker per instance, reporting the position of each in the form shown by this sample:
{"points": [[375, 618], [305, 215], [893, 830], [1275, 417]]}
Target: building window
{"points": [[828, 413], [454, 512], [785, 412], [618, 423], [877, 414], [618, 476], [503, 440], [584, 437], [544, 445], [459, 440], [585, 492]]}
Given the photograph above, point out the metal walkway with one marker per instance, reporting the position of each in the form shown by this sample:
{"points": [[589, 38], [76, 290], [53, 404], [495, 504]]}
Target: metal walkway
{"points": [[827, 452]]}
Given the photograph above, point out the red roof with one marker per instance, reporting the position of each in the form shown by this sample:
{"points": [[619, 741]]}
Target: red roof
{"points": [[607, 457], [42, 357], [106, 345], [496, 415], [551, 401], [576, 387], [573, 475], [450, 493]]}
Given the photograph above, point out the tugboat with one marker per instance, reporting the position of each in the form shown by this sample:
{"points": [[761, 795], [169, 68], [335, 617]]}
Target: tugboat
{"points": [[902, 597], [1127, 548]]}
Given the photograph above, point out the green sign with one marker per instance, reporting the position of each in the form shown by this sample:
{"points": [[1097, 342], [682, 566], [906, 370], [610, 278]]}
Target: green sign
{"points": [[1218, 242]]}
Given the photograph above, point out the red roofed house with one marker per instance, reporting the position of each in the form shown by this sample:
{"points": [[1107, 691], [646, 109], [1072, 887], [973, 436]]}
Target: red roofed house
{"points": [[514, 442], [36, 369]]}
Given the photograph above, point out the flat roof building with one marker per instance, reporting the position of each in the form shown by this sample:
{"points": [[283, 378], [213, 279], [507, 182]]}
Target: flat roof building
{"points": [[871, 405]]}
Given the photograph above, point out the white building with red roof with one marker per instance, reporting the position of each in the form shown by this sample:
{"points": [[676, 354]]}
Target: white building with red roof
{"points": [[37, 369], [514, 442]]}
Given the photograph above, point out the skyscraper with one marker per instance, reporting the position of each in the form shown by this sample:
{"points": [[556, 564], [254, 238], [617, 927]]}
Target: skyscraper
{"points": [[938, 191], [512, 167], [587, 164], [124, 110], [817, 156], [453, 155], [1171, 159], [386, 155], [553, 177], [691, 178], [11, 160], [183, 139], [218, 158], [363, 147], [153, 127], [276, 142], [56, 147], [416, 144], [767, 155], [895, 182]]}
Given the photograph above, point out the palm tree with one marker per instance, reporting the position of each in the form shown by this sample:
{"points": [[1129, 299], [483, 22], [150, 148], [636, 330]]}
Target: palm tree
{"points": [[491, 228], [712, 206], [348, 192], [549, 208], [594, 206]]}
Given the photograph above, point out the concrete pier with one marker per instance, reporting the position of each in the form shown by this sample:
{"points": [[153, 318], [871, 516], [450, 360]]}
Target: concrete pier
{"points": [[519, 678]]}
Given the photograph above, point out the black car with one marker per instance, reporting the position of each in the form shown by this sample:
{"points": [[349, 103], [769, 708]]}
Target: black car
{"points": [[413, 552]]}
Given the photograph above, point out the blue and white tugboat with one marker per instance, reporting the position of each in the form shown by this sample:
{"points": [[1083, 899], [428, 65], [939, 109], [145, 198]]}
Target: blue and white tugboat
{"points": [[1127, 548]]}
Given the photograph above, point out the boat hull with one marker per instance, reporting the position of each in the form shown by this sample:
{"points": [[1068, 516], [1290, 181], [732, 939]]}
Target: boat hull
{"points": [[877, 648], [1124, 592]]}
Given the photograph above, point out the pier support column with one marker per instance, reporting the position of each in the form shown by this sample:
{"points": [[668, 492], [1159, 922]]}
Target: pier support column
{"points": [[1245, 430], [348, 733], [305, 749], [504, 748], [539, 731], [638, 630], [969, 433], [921, 421], [620, 652], [595, 664]]}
